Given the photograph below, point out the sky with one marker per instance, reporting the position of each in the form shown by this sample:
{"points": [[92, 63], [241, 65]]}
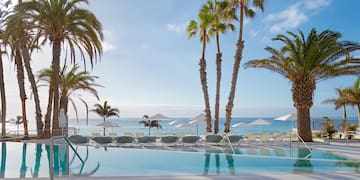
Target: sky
{"points": [[149, 65]]}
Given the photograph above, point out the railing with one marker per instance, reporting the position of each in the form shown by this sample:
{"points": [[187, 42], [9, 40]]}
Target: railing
{"points": [[306, 146], [226, 137], [51, 168]]}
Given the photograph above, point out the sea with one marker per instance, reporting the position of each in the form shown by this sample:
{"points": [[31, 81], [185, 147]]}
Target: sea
{"points": [[174, 125]]}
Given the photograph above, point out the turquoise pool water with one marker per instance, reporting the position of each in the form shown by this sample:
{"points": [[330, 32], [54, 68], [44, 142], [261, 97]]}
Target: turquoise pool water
{"points": [[32, 160]]}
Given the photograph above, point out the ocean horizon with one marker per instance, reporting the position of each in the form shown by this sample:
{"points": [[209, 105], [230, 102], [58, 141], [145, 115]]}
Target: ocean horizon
{"points": [[132, 125]]}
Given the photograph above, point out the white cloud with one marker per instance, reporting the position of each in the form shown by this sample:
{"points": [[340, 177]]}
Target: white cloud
{"points": [[178, 28], [107, 46], [314, 4], [294, 16], [286, 19]]}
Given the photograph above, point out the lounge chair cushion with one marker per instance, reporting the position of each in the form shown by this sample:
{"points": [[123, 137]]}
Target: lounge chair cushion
{"points": [[235, 138], [103, 139], [190, 139], [169, 139], [124, 139], [77, 139], [147, 139], [213, 138]]}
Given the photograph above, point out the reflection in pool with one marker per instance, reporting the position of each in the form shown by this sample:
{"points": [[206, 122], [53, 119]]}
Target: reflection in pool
{"points": [[32, 160]]}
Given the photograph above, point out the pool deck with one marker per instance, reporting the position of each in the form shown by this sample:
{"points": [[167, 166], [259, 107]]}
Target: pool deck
{"points": [[343, 148], [271, 176]]}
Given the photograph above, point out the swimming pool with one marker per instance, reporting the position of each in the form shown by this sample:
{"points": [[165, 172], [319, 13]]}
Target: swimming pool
{"points": [[32, 160]]}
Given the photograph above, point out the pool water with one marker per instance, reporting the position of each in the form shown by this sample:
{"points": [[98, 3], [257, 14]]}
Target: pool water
{"points": [[32, 160]]}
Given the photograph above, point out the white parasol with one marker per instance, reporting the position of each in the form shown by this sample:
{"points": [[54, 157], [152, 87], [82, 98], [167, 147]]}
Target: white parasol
{"points": [[107, 124], [197, 120]]}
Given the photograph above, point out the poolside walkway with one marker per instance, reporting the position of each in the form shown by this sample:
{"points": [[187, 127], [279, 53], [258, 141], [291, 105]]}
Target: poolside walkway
{"points": [[271, 176]]}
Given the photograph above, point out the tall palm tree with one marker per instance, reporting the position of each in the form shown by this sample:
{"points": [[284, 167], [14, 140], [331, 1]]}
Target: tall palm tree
{"points": [[305, 61], [205, 18], [105, 111], [341, 100], [353, 94], [66, 22], [14, 38], [245, 10], [71, 81], [224, 14], [4, 12], [24, 30], [150, 123]]}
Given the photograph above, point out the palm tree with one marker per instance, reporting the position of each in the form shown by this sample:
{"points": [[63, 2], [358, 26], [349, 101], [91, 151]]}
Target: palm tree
{"points": [[65, 22], [105, 111], [245, 10], [353, 94], [202, 27], [23, 30], [71, 81], [341, 100], [14, 37], [150, 123], [224, 14], [3, 15], [305, 62]]}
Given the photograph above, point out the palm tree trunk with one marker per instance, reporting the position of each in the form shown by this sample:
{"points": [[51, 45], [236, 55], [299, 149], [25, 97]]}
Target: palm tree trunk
{"points": [[46, 132], [302, 95], [345, 118], [56, 65], [64, 101], [218, 85], [20, 78], [358, 115], [230, 104], [303, 123], [3, 98], [203, 79], [39, 123], [237, 60], [104, 126]]}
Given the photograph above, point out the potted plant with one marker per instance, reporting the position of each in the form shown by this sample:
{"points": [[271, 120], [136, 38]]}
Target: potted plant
{"points": [[329, 128]]}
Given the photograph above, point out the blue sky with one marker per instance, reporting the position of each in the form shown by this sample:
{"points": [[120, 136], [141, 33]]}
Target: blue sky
{"points": [[149, 65]]}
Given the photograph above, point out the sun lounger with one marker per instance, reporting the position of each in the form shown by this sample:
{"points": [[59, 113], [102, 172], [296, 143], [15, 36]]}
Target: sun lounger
{"points": [[124, 139], [180, 134], [213, 139], [102, 139], [158, 136], [146, 139], [77, 139], [264, 137], [251, 138], [235, 138], [190, 140], [169, 139]]}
